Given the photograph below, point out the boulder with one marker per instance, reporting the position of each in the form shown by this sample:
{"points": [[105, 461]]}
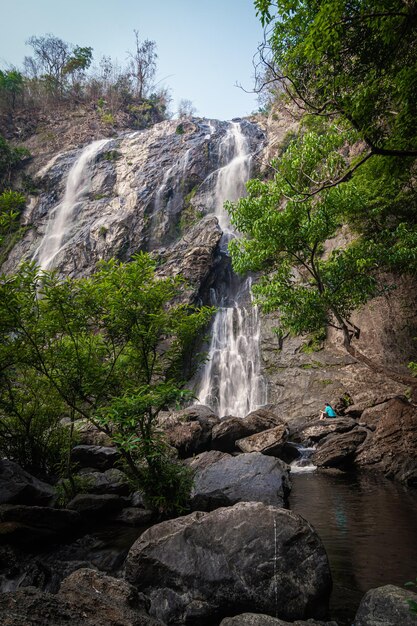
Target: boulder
{"points": [[270, 442], [230, 429], [243, 478], [134, 516], [386, 606], [94, 505], [91, 599], [90, 435], [204, 566], [257, 619], [319, 429], [205, 459], [189, 431], [105, 600], [97, 457], [339, 450], [29, 523], [19, 487], [111, 481], [391, 445]]}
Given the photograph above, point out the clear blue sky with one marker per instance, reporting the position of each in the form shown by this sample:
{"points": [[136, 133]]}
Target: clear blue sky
{"points": [[204, 46]]}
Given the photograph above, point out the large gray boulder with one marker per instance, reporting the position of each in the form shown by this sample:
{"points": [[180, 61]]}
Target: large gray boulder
{"points": [[319, 429], [32, 523], [269, 441], [204, 566], [111, 481], [244, 478], [386, 606], [19, 487], [86, 598], [339, 450], [230, 429], [97, 457], [189, 430], [95, 505]]}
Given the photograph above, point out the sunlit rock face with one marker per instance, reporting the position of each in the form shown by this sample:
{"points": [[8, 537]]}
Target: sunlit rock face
{"points": [[146, 190]]}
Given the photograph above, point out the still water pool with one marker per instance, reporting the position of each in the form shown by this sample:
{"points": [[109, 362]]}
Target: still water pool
{"points": [[368, 526]]}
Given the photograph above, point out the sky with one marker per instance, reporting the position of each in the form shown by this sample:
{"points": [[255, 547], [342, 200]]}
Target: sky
{"points": [[204, 47]]}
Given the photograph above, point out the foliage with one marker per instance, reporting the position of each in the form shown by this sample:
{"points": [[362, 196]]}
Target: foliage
{"points": [[354, 59], [10, 158], [11, 86], [287, 222], [115, 348], [412, 603]]}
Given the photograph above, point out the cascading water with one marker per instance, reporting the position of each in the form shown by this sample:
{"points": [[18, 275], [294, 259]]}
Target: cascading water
{"points": [[58, 229], [231, 382]]}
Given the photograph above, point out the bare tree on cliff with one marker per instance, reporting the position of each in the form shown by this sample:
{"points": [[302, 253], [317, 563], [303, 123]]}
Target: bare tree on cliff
{"points": [[143, 65]]}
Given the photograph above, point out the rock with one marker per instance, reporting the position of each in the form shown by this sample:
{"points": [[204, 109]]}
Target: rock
{"points": [[27, 523], [134, 516], [94, 505], [244, 478], [85, 600], [386, 606], [339, 450], [268, 442], [205, 459], [229, 430], [320, 429], [90, 435], [262, 419], [248, 555], [105, 600], [97, 457], [257, 619], [189, 431], [111, 481], [137, 499], [392, 446], [18, 486]]}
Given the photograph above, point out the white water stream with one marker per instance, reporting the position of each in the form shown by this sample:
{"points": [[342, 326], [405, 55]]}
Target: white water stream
{"points": [[231, 382], [61, 222]]}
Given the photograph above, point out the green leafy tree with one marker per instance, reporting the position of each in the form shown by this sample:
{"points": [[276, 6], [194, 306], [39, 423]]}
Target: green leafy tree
{"points": [[11, 86], [286, 224], [116, 348], [352, 59]]}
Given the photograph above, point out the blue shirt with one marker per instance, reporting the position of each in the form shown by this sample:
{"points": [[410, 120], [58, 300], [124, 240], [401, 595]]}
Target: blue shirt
{"points": [[329, 411]]}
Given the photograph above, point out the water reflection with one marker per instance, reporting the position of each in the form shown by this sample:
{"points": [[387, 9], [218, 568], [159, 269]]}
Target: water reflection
{"points": [[368, 526]]}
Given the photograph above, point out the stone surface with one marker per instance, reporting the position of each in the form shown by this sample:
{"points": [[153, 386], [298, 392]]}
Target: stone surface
{"points": [[317, 430], [391, 445], [339, 450], [203, 460], [257, 619], [90, 435], [19, 487], [189, 431], [269, 442], [134, 516], [86, 598], [97, 457], [246, 477], [111, 481], [246, 557], [386, 606], [230, 429], [94, 505], [35, 523]]}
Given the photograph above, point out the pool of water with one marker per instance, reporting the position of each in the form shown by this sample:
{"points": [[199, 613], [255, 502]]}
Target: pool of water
{"points": [[368, 526]]}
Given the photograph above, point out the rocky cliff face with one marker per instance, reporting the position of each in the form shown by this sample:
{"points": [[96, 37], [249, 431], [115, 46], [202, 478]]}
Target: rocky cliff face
{"points": [[155, 190]]}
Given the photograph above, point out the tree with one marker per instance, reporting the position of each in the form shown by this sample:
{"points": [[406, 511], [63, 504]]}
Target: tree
{"points": [[112, 348], [51, 55], [11, 86], [186, 109], [286, 226], [352, 59], [143, 65]]}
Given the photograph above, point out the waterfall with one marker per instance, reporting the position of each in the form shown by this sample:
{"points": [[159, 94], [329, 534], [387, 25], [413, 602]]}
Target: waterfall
{"points": [[231, 382], [60, 223]]}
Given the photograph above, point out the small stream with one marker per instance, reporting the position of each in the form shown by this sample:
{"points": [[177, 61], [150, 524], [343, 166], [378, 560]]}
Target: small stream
{"points": [[368, 527]]}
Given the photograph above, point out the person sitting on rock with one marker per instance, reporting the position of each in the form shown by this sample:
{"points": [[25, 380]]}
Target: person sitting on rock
{"points": [[327, 412]]}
